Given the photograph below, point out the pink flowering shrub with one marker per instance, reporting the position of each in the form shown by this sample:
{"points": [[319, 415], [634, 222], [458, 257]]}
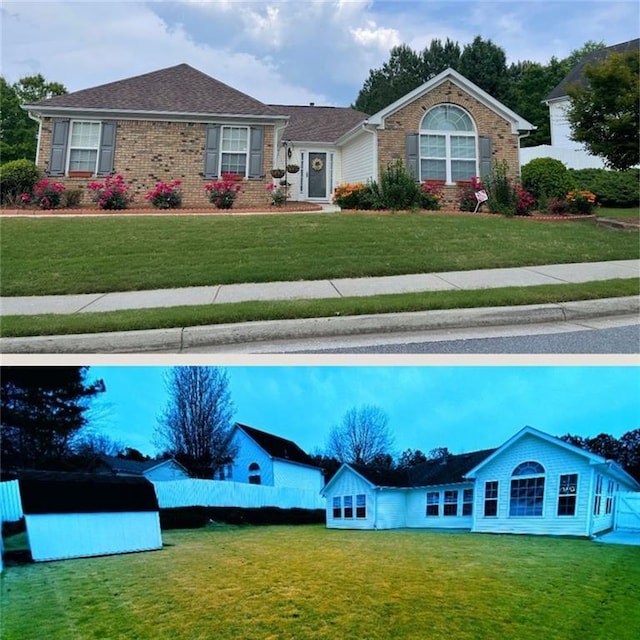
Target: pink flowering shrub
{"points": [[165, 195], [46, 194], [111, 194], [431, 194], [466, 196], [223, 193], [525, 202], [278, 194]]}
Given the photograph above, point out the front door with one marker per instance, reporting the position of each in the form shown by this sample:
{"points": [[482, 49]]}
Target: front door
{"points": [[317, 186]]}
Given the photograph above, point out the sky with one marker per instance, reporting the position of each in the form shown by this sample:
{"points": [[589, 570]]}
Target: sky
{"points": [[286, 51], [464, 408]]}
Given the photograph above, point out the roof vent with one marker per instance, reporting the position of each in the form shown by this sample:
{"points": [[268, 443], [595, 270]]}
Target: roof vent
{"points": [[312, 104]]}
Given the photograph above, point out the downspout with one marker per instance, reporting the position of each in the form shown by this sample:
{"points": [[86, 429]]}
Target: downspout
{"points": [[37, 119]]}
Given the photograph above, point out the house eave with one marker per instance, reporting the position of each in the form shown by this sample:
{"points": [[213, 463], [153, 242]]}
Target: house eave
{"points": [[134, 114]]}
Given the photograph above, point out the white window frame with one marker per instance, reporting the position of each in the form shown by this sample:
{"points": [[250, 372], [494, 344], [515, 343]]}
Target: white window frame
{"points": [[491, 499], [234, 152], [450, 503], [597, 499], [467, 502], [519, 477], [573, 495], [71, 148], [447, 134]]}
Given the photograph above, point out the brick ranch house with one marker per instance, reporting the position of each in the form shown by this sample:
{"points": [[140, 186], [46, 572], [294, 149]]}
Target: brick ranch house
{"points": [[179, 123]]}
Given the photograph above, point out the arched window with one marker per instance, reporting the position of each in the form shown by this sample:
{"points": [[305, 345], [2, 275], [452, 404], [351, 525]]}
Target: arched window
{"points": [[254, 473], [527, 489], [448, 145]]}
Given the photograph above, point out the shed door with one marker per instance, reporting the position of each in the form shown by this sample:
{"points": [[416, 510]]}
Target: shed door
{"points": [[317, 175]]}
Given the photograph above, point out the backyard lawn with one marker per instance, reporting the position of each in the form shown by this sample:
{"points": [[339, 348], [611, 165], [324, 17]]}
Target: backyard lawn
{"points": [[124, 253], [309, 582]]}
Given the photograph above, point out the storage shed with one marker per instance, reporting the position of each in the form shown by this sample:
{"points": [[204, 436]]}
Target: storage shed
{"points": [[70, 515]]}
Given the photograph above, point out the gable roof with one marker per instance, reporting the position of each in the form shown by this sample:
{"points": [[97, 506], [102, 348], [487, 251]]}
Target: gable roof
{"points": [[319, 124], [448, 470], [576, 75], [611, 467], [277, 447], [175, 90], [517, 122], [135, 467]]}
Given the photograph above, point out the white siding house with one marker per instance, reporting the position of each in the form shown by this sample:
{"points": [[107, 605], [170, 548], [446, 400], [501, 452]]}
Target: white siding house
{"points": [[534, 484], [263, 458], [572, 154]]}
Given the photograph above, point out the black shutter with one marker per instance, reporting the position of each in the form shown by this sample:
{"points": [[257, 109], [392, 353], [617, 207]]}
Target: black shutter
{"points": [[255, 152], [412, 146], [484, 143], [211, 149], [106, 153], [58, 157]]}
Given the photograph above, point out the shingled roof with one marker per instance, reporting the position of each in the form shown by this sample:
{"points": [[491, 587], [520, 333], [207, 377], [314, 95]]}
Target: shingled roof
{"points": [[277, 447], [576, 75], [448, 470], [180, 89], [319, 124], [124, 466]]}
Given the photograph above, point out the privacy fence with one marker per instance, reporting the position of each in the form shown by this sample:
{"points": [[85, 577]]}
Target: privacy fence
{"points": [[175, 494]]}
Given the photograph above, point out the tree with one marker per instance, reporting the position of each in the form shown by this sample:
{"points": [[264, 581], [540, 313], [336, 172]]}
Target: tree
{"points": [[42, 410], [437, 57], [91, 445], [604, 113], [196, 424], [18, 133], [410, 458], [439, 453], [362, 437], [485, 64]]}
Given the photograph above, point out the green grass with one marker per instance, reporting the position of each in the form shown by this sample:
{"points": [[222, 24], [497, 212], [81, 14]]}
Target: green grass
{"points": [[308, 582], [189, 316], [631, 214], [123, 253]]}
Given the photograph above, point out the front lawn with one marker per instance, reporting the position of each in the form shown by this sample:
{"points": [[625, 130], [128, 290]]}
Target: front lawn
{"points": [[309, 582], [124, 253]]}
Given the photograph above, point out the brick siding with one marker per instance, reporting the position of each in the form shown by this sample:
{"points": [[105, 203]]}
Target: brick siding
{"points": [[392, 144], [149, 151]]}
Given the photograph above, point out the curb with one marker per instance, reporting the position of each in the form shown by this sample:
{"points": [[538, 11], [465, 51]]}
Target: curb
{"points": [[183, 339]]}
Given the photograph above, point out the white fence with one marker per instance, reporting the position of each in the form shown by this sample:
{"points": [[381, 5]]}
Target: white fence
{"points": [[572, 158], [222, 493], [10, 502]]}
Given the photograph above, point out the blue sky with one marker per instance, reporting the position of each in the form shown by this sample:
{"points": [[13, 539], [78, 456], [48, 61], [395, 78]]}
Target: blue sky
{"points": [[464, 408], [285, 51]]}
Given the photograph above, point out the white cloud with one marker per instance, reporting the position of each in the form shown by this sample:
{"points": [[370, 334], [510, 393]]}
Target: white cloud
{"points": [[376, 36]]}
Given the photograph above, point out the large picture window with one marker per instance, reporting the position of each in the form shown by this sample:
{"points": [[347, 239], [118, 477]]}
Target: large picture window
{"points": [[448, 145], [527, 490], [84, 142], [234, 150]]}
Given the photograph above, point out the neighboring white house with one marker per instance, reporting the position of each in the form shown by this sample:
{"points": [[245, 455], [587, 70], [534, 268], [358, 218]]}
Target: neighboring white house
{"points": [[534, 483], [562, 147], [72, 515], [154, 470], [267, 459]]}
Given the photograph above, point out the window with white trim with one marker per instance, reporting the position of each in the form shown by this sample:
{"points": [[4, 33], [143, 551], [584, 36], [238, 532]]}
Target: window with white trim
{"points": [[361, 505], [254, 473], [467, 502], [348, 506], [433, 503], [597, 500], [234, 150], [337, 507], [84, 143], [448, 145], [450, 507], [567, 491], [609, 502], [491, 499], [527, 490]]}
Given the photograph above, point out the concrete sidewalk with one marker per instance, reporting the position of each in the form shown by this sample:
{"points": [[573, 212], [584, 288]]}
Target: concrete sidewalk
{"points": [[334, 288]]}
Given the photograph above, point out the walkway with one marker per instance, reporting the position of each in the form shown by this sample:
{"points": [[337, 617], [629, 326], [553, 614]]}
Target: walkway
{"points": [[334, 288]]}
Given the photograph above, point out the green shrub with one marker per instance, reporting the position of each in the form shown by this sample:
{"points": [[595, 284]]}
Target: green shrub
{"points": [[398, 188], [612, 188], [17, 177], [71, 198], [547, 178], [501, 190]]}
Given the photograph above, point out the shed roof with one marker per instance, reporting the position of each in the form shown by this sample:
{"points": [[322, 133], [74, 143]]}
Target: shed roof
{"points": [[576, 75], [276, 446], [180, 89], [319, 124], [54, 492], [135, 467]]}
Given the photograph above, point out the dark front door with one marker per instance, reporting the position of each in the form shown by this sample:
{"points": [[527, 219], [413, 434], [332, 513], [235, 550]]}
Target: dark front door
{"points": [[317, 175]]}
